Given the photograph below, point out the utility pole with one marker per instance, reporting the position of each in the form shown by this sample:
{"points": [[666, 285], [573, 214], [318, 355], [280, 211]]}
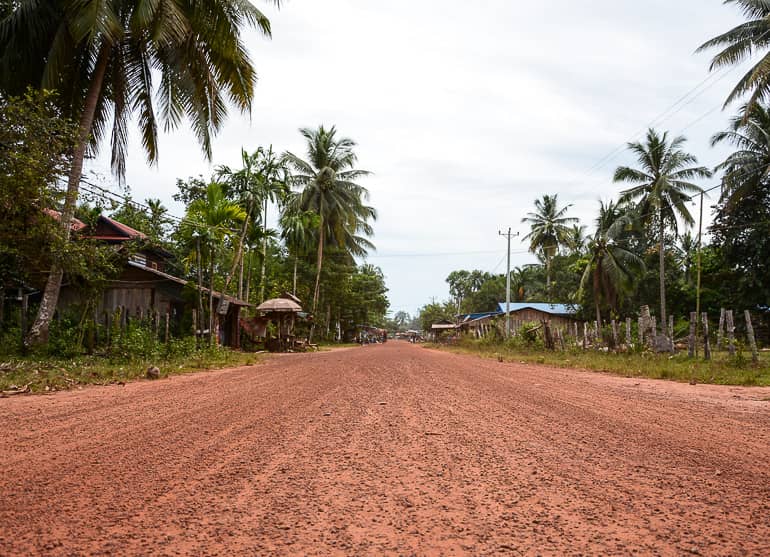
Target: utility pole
{"points": [[697, 285], [508, 235]]}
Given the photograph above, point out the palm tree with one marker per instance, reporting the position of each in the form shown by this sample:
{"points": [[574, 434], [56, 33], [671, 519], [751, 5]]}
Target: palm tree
{"points": [[748, 168], [213, 218], [298, 231], [327, 188], [577, 239], [549, 230], [158, 219], [686, 252], [740, 43], [611, 268], [103, 59], [260, 180], [663, 188]]}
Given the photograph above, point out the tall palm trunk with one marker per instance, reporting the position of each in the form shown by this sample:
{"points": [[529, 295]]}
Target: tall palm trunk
{"points": [[201, 314], [247, 293], [662, 231], [294, 282], [597, 293], [238, 254], [319, 264], [264, 253], [240, 279], [212, 336], [38, 333], [547, 277]]}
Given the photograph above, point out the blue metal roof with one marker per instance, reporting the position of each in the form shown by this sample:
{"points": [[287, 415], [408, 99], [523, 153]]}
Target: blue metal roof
{"points": [[553, 309], [480, 315]]}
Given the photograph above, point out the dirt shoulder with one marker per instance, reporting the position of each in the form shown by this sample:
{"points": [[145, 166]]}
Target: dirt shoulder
{"points": [[387, 449]]}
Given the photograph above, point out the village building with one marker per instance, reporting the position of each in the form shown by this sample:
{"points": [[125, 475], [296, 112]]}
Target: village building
{"points": [[561, 316], [144, 286]]}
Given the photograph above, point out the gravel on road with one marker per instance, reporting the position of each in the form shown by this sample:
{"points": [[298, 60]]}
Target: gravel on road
{"points": [[387, 449]]}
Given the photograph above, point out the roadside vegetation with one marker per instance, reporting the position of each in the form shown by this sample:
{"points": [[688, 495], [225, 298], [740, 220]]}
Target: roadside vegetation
{"points": [[720, 370], [130, 357]]}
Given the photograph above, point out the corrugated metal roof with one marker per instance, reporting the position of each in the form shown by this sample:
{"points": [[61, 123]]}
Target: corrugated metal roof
{"points": [[552, 309], [479, 315]]}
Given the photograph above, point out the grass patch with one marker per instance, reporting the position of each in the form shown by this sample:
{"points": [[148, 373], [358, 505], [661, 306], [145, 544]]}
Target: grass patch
{"points": [[721, 370], [47, 374]]}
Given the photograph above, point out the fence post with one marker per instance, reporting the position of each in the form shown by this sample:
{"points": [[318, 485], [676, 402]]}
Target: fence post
{"points": [[706, 342], [691, 339], [614, 334], [730, 326], [107, 328], [628, 332], [750, 335], [721, 329], [585, 335], [671, 329], [23, 320], [166, 336]]}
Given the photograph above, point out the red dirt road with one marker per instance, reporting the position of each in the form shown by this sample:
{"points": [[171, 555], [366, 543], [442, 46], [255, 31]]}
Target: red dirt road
{"points": [[390, 449]]}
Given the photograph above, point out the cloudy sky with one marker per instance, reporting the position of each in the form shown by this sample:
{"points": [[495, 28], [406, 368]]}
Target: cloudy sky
{"points": [[467, 112]]}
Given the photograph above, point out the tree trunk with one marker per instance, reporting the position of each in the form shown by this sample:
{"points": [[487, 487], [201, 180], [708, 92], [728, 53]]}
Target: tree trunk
{"points": [[662, 257], [38, 333], [547, 278], [294, 283], [248, 280], [264, 253], [211, 297], [238, 256], [319, 265], [240, 280], [200, 291]]}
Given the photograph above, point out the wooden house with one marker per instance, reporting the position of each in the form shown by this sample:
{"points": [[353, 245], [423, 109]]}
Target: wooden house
{"points": [[561, 316], [145, 287]]}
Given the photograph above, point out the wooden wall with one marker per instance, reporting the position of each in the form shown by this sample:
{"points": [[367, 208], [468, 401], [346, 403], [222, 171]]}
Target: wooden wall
{"points": [[529, 315]]}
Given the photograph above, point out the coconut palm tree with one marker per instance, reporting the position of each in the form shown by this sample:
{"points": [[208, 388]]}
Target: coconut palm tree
{"points": [[261, 179], [550, 230], [611, 268], [739, 44], [748, 167], [686, 251], [662, 189], [214, 219], [576, 242], [298, 231], [326, 184], [159, 61]]}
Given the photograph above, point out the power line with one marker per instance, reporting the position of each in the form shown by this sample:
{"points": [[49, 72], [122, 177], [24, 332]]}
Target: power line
{"points": [[685, 100]]}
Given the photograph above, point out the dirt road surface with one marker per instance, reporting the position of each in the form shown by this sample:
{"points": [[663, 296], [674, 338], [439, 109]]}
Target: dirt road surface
{"points": [[390, 449]]}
